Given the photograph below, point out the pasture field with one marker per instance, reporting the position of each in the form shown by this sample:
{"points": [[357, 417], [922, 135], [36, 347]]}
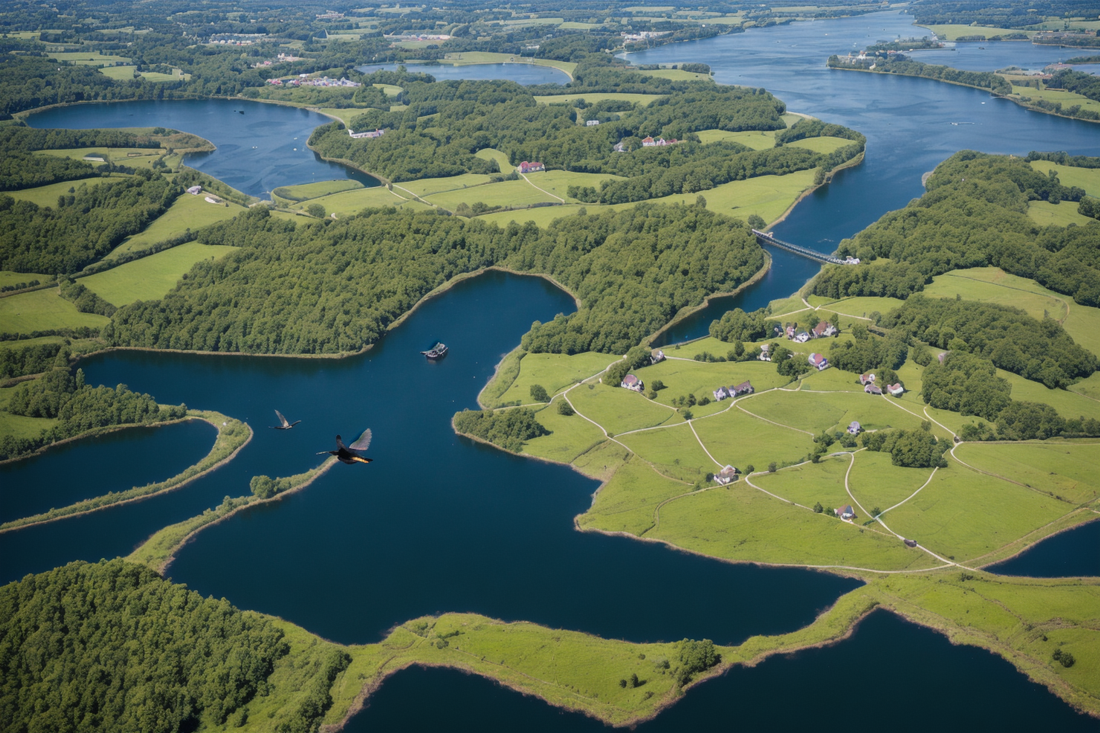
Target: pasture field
{"points": [[626, 503], [505, 193], [602, 461], [619, 410], [862, 307], [428, 186], [390, 90], [595, 97], [569, 436], [1068, 404], [787, 307], [1069, 469], [742, 440], [43, 196], [823, 144], [831, 379], [118, 73], [1061, 214], [994, 285], [951, 32], [675, 451], [682, 378], [740, 523], [817, 411], [186, 212], [755, 139], [351, 202], [88, 58], [43, 310], [554, 372], [558, 183], [810, 483], [498, 156], [131, 157], [1070, 175], [7, 277], [541, 217], [707, 344], [488, 57], [677, 75], [344, 114], [1088, 387], [152, 277], [307, 191], [964, 515], [1068, 99], [876, 482]]}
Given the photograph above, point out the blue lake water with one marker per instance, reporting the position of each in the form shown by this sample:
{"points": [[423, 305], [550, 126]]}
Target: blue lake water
{"points": [[973, 56], [437, 523], [521, 73], [1067, 555], [257, 151]]}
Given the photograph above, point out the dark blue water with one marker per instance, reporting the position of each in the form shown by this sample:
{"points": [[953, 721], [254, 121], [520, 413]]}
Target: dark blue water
{"points": [[258, 151], [1067, 555], [113, 462], [891, 675], [526, 74], [991, 56], [908, 124]]}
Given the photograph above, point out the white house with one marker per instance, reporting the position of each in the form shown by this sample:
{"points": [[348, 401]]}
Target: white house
{"points": [[896, 389], [632, 382], [818, 361], [726, 475]]}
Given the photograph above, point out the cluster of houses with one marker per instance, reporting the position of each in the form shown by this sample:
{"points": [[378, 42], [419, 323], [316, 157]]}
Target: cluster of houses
{"points": [[526, 167], [821, 330], [283, 58], [723, 393], [417, 37], [643, 35], [304, 81], [367, 134], [869, 386], [632, 382]]}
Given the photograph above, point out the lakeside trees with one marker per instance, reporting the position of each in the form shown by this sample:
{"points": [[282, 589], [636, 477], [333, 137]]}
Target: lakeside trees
{"points": [[509, 429]]}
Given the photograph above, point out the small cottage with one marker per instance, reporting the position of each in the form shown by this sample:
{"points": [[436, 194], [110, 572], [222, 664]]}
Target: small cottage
{"points": [[854, 428], [818, 361], [591, 123], [872, 389], [195, 190], [765, 353], [845, 512], [720, 394], [526, 167], [824, 328], [802, 337], [726, 476], [896, 389], [866, 378], [656, 357], [632, 382], [743, 388]]}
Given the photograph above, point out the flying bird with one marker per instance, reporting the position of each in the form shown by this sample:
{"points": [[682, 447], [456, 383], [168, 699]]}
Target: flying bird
{"points": [[285, 425], [344, 454]]}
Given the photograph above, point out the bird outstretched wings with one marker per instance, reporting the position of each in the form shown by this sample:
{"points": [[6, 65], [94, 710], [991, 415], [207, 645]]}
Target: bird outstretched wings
{"points": [[364, 441]]}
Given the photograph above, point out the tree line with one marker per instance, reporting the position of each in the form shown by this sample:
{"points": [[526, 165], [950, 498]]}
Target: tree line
{"points": [[903, 66], [509, 429]]}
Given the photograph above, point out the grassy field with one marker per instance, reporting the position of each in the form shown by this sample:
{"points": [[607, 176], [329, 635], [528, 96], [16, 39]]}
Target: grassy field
{"points": [[1068, 99], [618, 409], [810, 483], [1068, 175], [817, 411], [877, 482], [43, 310], [390, 90], [963, 515], [675, 451], [1061, 214], [554, 372], [88, 58], [486, 57], [1066, 468], [150, 278], [1088, 387], [47, 195], [951, 32], [497, 155], [429, 186], [20, 426], [1068, 404], [132, 157], [351, 202], [821, 144], [993, 285], [307, 191], [627, 502], [7, 277], [569, 437], [505, 193], [594, 98], [541, 217], [186, 212], [741, 440], [676, 75], [558, 183], [755, 139], [344, 114]]}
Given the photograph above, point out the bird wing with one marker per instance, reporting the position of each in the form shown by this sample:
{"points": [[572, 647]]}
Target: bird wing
{"points": [[281, 418], [364, 441], [340, 443]]}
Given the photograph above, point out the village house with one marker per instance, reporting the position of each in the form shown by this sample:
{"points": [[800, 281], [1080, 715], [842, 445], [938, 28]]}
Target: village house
{"points": [[845, 512], [632, 382], [720, 394], [765, 352], [802, 337], [872, 388], [195, 190], [824, 328], [896, 389], [854, 428], [866, 379], [367, 134], [591, 123], [743, 388], [526, 167], [656, 357], [818, 361], [619, 147], [726, 476]]}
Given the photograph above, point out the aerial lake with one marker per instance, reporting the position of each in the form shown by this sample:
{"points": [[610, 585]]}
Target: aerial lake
{"points": [[438, 523]]}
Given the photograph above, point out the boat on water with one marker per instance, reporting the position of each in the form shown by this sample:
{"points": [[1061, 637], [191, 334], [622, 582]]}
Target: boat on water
{"points": [[436, 352]]}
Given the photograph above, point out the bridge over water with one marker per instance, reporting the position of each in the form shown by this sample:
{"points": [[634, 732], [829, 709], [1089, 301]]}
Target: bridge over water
{"points": [[767, 238]]}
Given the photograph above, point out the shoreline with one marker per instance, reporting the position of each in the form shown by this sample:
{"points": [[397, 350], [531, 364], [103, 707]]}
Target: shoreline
{"points": [[142, 497]]}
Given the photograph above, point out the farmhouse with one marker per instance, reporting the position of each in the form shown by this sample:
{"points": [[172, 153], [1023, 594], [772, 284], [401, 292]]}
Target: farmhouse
{"points": [[896, 389], [721, 393], [591, 123], [765, 352], [526, 167], [824, 328], [866, 379], [802, 337], [818, 361], [632, 382], [656, 357], [872, 389], [195, 190], [726, 475], [743, 388], [854, 428], [367, 134], [845, 512]]}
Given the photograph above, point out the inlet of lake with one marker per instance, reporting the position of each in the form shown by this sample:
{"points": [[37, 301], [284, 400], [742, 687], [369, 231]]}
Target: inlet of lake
{"points": [[438, 523]]}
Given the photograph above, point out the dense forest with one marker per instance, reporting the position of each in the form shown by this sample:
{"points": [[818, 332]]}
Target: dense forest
{"points": [[334, 286], [115, 647], [509, 429], [1002, 14], [974, 214], [78, 408], [86, 224]]}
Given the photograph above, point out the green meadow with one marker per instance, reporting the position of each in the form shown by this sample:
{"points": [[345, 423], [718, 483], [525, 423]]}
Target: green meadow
{"points": [[626, 503], [1068, 99], [994, 285], [741, 440], [1088, 387], [1069, 175], [505, 193], [43, 310], [1066, 468], [19, 426], [558, 182], [595, 98], [152, 277], [949, 32], [815, 412], [88, 58], [675, 451], [7, 277], [1068, 404], [755, 139], [821, 144], [47, 195], [307, 191], [186, 212], [541, 217], [351, 202], [570, 436], [809, 483], [553, 372], [429, 186], [619, 410], [499, 156], [876, 482], [1061, 214]]}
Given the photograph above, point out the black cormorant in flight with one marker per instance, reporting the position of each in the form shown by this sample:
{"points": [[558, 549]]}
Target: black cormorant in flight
{"points": [[344, 454], [285, 425]]}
